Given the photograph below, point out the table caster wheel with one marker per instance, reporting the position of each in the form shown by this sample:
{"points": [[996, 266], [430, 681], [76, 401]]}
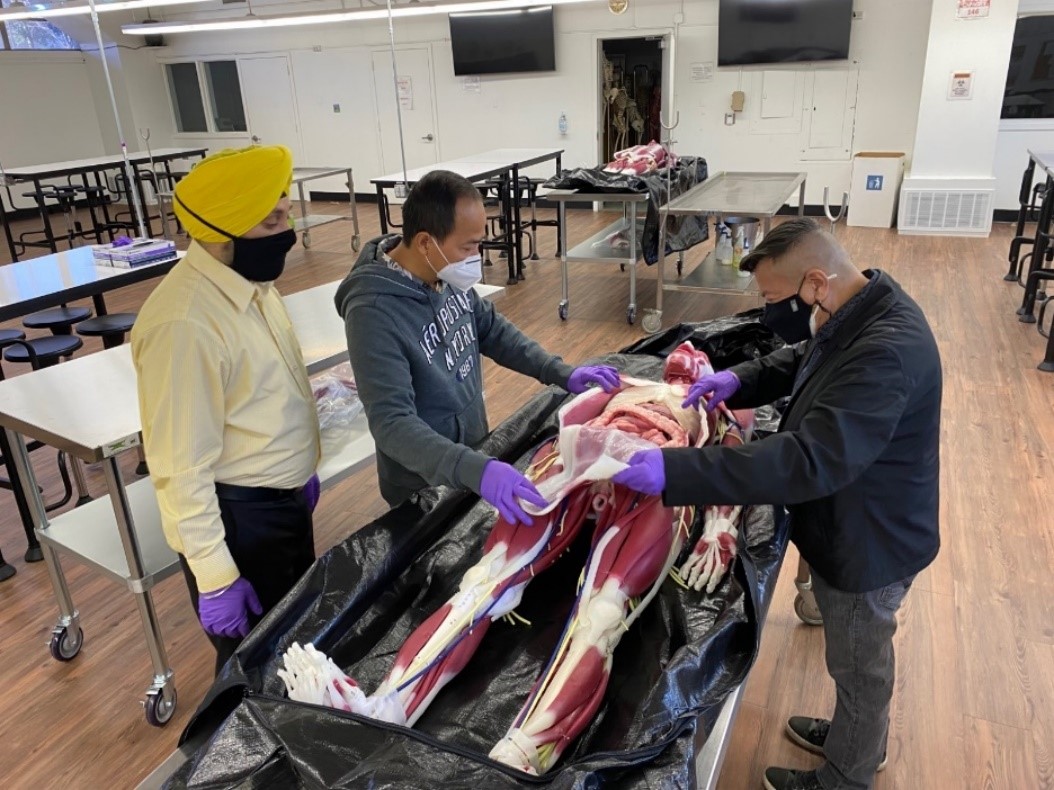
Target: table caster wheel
{"points": [[631, 315], [562, 311], [63, 647], [652, 321], [356, 243], [306, 240], [160, 706], [807, 613]]}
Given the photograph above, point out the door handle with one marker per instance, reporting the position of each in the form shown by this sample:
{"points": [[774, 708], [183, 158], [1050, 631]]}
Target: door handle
{"points": [[428, 138]]}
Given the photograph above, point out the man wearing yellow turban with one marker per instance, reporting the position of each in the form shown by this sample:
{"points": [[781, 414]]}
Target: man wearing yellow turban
{"points": [[229, 421]]}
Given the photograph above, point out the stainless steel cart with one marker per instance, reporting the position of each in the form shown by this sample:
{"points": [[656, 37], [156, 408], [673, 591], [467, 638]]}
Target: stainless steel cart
{"points": [[306, 221], [82, 407], [596, 248], [759, 195]]}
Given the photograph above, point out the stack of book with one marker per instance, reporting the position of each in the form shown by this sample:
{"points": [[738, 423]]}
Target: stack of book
{"points": [[137, 253]]}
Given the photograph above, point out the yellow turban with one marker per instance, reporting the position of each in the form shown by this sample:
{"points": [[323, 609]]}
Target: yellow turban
{"points": [[233, 190]]}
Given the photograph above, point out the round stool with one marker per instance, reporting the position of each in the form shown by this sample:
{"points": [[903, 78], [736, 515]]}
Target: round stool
{"points": [[7, 337], [47, 351], [59, 320], [111, 327]]}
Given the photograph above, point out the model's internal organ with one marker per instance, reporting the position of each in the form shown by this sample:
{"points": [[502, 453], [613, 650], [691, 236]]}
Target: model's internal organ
{"points": [[640, 159], [635, 544]]}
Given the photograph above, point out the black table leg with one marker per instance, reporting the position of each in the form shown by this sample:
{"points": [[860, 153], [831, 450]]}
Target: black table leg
{"points": [[7, 230], [100, 304], [1039, 252], [6, 571], [559, 214], [517, 240], [1047, 365], [507, 241], [382, 209], [45, 217], [33, 552], [1025, 200]]}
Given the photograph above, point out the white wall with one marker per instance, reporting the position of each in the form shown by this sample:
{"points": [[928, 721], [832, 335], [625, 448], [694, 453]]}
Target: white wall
{"points": [[957, 139], [48, 112], [887, 56]]}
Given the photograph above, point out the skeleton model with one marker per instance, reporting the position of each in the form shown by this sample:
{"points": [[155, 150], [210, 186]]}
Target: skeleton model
{"points": [[635, 544]]}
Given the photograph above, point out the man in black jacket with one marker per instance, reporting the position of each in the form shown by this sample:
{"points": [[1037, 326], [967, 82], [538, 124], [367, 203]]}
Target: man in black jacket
{"points": [[856, 462]]}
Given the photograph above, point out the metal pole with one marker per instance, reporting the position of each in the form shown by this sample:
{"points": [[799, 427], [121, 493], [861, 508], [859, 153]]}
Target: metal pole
{"points": [[133, 192], [398, 105]]}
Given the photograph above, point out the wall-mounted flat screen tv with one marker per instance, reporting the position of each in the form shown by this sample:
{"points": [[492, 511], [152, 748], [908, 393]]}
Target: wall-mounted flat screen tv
{"points": [[751, 32], [503, 42]]}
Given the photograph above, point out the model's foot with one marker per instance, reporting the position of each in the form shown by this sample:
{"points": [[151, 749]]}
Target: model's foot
{"points": [[787, 779]]}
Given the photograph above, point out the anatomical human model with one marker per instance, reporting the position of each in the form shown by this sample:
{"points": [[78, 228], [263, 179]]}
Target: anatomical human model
{"points": [[635, 544], [640, 159]]}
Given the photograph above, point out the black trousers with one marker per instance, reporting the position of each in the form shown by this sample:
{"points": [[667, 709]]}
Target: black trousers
{"points": [[273, 545]]}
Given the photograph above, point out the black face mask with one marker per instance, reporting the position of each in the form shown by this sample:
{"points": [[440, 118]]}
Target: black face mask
{"points": [[789, 318], [262, 260], [259, 260]]}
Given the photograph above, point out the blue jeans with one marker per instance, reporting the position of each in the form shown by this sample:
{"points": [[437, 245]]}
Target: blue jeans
{"points": [[858, 629]]}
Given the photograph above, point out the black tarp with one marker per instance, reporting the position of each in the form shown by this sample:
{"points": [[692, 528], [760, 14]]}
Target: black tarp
{"points": [[362, 598], [682, 232]]}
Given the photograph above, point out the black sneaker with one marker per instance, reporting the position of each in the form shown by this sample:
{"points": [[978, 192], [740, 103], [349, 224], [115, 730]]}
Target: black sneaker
{"points": [[811, 734], [787, 779]]}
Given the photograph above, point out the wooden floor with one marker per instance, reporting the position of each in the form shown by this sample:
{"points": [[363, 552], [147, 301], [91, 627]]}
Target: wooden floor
{"points": [[974, 705]]}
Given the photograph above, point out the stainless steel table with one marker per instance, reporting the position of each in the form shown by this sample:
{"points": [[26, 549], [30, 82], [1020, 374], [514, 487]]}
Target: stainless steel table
{"points": [[597, 248], [759, 195], [306, 221], [88, 407], [50, 281]]}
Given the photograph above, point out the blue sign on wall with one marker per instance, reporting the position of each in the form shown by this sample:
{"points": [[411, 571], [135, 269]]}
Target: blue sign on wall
{"points": [[874, 183]]}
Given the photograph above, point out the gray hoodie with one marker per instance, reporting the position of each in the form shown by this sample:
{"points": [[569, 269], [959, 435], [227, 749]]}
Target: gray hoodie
{"points": [[415, 353]]}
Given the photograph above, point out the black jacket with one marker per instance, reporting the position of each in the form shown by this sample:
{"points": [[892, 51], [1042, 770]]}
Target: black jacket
{"points": [[856, 460]]}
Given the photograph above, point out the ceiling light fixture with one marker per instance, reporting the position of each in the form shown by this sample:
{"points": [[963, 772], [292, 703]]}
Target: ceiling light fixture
{"points": [[327, 18], [77, 9]]}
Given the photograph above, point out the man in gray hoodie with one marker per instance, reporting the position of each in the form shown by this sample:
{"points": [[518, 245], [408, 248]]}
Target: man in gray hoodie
{"points": [[416, 330]]}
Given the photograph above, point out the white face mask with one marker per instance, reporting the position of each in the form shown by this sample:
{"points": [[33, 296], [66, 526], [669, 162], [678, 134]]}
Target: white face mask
{"points": [[461, 275]]}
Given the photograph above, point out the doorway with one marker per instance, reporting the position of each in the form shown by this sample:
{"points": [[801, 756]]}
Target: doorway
{"points": [[631, 92]]}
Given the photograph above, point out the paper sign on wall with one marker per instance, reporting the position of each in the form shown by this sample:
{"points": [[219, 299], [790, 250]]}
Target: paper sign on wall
{"points": [[406, 92], [961, 86], [974, 9], [471, 85], [702, 72]]}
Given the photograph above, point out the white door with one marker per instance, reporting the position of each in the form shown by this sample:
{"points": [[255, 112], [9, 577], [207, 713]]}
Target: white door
{"points": [[414, 71], [270, 105]]}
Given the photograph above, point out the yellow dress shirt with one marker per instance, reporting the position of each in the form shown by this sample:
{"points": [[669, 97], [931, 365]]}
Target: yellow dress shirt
{"points": [[224, 397]]}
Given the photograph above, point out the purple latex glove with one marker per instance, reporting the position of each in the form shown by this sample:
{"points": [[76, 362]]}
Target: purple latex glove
{"points": [[646, 473], [312, 490], [604, 376], [226, 612], [716, 389], [502, 484]]}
